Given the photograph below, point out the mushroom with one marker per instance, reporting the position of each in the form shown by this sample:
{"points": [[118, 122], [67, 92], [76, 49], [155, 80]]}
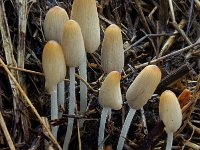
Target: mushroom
{"points": [[53, 30], [112, 52], [53, 63], [54, 22], [74, 51], [171, 115], [109, 98], [138, 94], [85, 13]]}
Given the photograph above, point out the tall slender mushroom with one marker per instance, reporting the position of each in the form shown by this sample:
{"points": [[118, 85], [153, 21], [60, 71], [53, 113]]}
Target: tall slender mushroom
{"points": [[171, 115], [74, 51], [54, 67], [112, 52], [138, 94], [85, 13], [53, 30], [109, 98]]}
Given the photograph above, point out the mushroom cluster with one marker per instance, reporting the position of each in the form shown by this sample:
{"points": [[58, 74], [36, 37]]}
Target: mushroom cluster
{"points": [[68, 42]]}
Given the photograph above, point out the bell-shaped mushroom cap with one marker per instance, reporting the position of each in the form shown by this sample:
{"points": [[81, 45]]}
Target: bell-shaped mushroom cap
{"points": [[143, 87], [54, 23], [53, 63], [73, 44], [85, 13], [110, 93], [112, 52], [170, 111]]}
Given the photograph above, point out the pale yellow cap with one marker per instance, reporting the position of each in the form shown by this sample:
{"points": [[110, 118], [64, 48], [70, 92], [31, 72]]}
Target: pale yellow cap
{"points": [[54, 23], [143, 87], [85, 13], [110, 92], [73, 44], [53, 64], [170, 111], [112, 52]]}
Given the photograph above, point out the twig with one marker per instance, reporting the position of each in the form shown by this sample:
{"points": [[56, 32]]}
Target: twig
{"points": [[22, 21], [6, 133], [46, 143], [145, 129], [190, 17], [172, 10], [142, 17], [192, 145], [170, 41], [196, 129], [27, 100], [25, 70], [146, 36], [182, 33], [42, 74], [169, 55], [86, 83]]}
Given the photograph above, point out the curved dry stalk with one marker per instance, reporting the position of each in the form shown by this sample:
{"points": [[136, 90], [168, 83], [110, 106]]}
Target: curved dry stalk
{"points": [[6, 133], [32, 108]]}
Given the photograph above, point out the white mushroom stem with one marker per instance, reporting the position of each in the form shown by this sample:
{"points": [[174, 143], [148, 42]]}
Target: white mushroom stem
{"points": [[109, 114], [125, 128], [54, 110], [104, 115], [83, 88], [169, 140], [71, 107], [61, 97]]}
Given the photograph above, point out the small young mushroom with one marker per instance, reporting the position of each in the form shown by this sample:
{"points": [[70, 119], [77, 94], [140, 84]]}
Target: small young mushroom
{"points": [[53, 63], [85, 13], [109, 98], [74, 51], [112, 52], [171, 115], [138, 94], [53, 30]]}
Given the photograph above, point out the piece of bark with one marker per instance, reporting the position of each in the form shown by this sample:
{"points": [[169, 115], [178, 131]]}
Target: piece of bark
{"points": [[172, 78]]}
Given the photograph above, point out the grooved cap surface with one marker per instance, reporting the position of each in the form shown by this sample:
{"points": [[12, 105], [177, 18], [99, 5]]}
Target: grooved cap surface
{"points": [[54, 23], [112, 52], [85, 13], [73, 44], [170, 111], [53, 64], [110, 92], [143, 87]]}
